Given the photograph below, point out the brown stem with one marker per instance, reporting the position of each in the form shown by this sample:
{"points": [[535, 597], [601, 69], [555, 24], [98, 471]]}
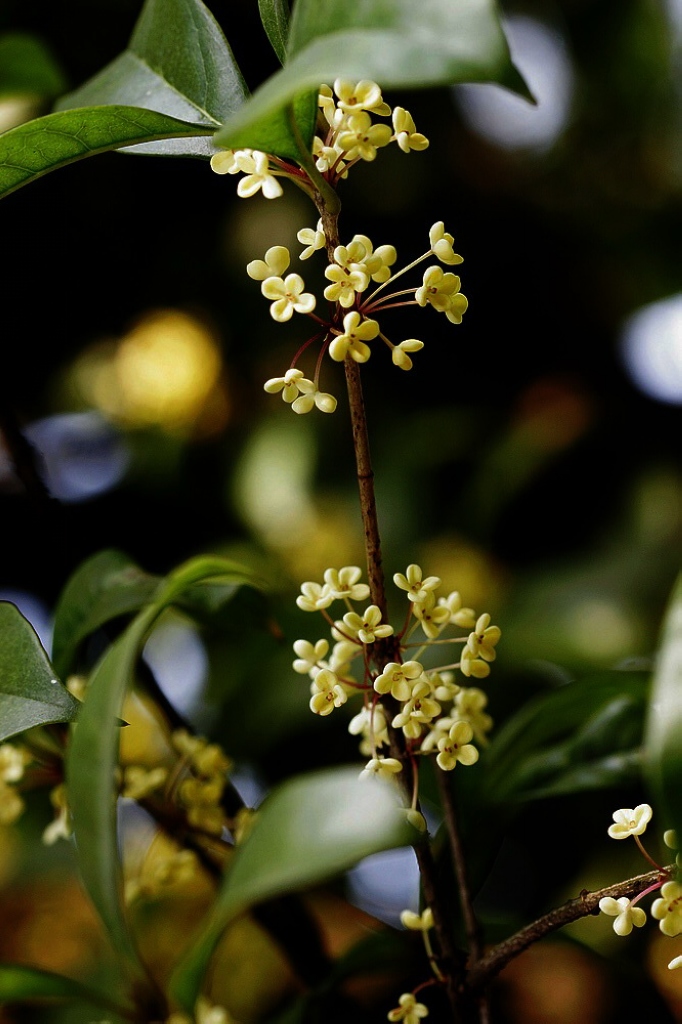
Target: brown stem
{"points": [[471, 925], [587, 903]]}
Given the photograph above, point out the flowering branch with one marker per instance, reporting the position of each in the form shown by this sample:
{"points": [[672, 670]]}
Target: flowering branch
{"points": [[586, 903]]}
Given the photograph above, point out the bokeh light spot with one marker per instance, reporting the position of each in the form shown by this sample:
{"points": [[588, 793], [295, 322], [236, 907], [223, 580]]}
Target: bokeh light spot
{"points": [[651, 348]]}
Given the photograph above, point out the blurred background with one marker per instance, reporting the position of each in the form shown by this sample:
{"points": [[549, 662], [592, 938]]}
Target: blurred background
{"points": [[531, 458]]}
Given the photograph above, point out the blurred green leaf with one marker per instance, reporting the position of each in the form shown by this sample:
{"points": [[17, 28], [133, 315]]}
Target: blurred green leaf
{"points": [[19, 984], [445, 43], [582, 736], [37, 147], [30, 693], [27, 67], [663, 735], [93, 752], [309, 829], [275, 17], [179, 63], [105, 586]]}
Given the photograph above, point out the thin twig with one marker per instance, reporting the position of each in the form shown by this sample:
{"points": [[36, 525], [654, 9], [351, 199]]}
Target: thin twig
{"points": [[587, 903], [471, 925]]}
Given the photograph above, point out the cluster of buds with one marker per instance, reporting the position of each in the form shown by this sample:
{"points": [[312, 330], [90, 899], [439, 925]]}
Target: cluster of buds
{"points": [[357, 272], [435, 714], [667, 908], [205, 766]]}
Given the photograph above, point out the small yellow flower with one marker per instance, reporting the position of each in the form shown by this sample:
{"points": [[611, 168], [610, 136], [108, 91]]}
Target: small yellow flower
{"points": [[630, 821], [625, 914], [409, 1010], [357, 331], [406, 135], [456, 747], [668, 909], [287, 296]]}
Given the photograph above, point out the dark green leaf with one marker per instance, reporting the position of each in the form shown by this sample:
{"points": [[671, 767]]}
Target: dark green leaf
{"points": [[444, 43], [309, 829], [27, 67], [30, 693], [555, 733], [37, 147], [179, 63], [19, 984], [275, 17], [105, 586], [93, 752], [663, 737]]}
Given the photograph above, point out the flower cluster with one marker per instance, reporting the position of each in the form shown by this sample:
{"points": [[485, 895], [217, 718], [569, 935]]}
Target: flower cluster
{"points": [[435, 714], [13, 760], [357, 272], [667, 908], [201, 790]]}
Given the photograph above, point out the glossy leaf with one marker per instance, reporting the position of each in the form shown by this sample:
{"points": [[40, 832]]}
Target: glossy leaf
{"points": [[30, 693], [663, 736], [550, 743], [27, 67], [37, 147], [275, 17], [105, 586], [309, 829], [179, 63], [22, 984], [93, 752], [442, 44]]}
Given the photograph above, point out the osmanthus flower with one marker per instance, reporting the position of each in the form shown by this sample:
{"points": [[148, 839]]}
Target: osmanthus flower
{"points": [[258, 176], [399, 353], [442, 245], [470, 665], [309, 655], [356, 331], [630, 821], [459, 616], [225, 161], [360, 139], [327, 693], [432, 617], [399, 679], [312, 238], [314, 597], [370, 724], [438, 289], [13, 760], [310, 397], [406, 134], [348, 278], [344, 583], [417, 922], [457, 747], [484, 638], [418, 589], [368, 627], [409, 1011], [289, 385], [625, 914], [60, 828], [383, 767], [668, 909], [140, 782], [377, 262], [276, 261], [469, 705], [418, 711], [364, 95], [287, 296]]}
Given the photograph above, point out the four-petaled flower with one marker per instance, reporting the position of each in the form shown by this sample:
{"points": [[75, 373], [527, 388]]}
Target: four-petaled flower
{"points": [[456, 746], [630, 821], [438, 289], [256, 167], [312, 238], [344, 583], [368, 626], [383, 767], [288, 296], [441, 245], [352, 342], [625, 914], [309, 655], [364, 95], [274, 264], [668, 909], [482, 641], [311, 397], [399, 680], [327, 693], [418, 589], [406, 135], [289, 384], [314, 597], [409, 1011], [361, 139]]}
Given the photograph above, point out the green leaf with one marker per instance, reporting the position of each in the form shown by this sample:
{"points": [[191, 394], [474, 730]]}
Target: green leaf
{"points": [[19, 984], [663, 734], [105, 586], [580, 725], [309, 829], [443, 43], [30, 693], [275, 17], [37, 147], [179, 63], [27, 67], [93, 751]]}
